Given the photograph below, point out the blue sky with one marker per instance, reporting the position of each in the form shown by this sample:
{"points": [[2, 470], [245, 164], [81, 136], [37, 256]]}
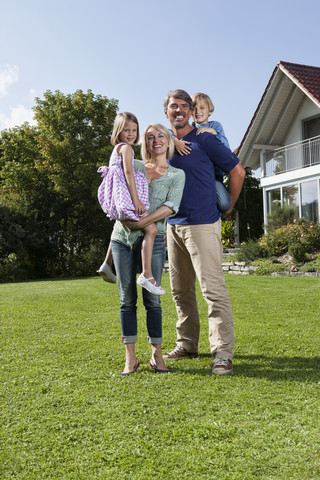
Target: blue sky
{"points": [[138, 50]]}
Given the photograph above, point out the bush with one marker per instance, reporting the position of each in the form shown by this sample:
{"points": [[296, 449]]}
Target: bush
{"points": [[227, 232], [280, 216], [232, 258], [10, 269], [317, 260], [310, 267], [249, 251], [298, 251], [266, 267], [23, 247], [298, 239]]}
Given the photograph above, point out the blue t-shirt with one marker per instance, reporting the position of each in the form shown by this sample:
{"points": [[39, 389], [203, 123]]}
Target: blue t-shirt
{"points": [[218, 128], [199, 203], [220, 135]]}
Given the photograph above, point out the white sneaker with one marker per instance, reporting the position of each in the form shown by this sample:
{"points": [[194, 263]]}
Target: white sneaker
{"points": [[151, 287], [106, 273]]}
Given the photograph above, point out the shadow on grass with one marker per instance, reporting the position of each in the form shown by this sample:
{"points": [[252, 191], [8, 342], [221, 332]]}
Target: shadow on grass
{"points": [[52, 279], [278, 368], [299, 369]]}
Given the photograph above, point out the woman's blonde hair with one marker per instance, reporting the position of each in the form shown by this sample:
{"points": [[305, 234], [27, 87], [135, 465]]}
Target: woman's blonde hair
{"points": [[119, 124], [157, 126], [202, 96]]}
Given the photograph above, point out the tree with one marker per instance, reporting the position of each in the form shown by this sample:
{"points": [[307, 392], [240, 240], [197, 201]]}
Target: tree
{"points": [[250, 208], [49, 175], [280, 216], [26, 198]]}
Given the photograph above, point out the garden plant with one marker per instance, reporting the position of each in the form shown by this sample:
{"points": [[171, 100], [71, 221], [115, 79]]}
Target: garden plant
{"points": [[291, 247]]}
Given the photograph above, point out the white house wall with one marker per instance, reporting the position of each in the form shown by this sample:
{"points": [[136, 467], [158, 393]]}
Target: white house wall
{"points": [[308, 109], [290, 177]]}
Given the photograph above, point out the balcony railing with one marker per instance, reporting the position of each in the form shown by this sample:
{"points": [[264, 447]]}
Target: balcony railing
{"points": [[292, 157]]}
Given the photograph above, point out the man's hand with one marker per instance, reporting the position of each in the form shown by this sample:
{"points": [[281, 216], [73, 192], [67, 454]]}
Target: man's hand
{"points": [[206, 129]]}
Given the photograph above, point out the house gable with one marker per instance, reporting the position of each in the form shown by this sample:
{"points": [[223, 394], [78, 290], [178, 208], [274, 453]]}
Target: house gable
{"points": [[289, 88], [283, 138]]}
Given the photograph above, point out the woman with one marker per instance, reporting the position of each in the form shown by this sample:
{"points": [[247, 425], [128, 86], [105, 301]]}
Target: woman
{"points": [[165, 191]]}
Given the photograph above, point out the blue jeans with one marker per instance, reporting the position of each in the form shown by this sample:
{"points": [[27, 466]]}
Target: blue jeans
{"points": [[126, 260], [223, 197]]}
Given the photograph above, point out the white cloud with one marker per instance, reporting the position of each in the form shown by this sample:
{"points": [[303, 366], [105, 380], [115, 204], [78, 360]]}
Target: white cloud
{"points": [[19, 115], [9, 74]]}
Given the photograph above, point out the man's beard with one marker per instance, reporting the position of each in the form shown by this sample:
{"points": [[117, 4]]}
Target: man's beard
{"points": [[180, 125]]}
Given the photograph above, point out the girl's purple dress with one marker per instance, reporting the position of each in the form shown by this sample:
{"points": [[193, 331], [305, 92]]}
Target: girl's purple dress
{"points": [[113, 193]]}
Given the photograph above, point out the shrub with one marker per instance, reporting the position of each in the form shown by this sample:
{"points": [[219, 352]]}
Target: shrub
{"points": [[264, 261], [280, 216], [266, 267], [310, 267], [249, 251], [299, 238], [227, 232], [10, 269], [317, 260], [275, 243], [298, 251], [232, 258]]}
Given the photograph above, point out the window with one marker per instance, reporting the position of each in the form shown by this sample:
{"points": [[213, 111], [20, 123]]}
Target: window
{"points": [[290, 195], [311, 128], [309, 200], [273, 200], [311, 151]]}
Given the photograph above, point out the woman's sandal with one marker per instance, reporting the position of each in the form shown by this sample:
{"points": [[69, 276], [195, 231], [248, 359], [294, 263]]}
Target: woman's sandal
{"points": [[137, 365], [157, 370]]}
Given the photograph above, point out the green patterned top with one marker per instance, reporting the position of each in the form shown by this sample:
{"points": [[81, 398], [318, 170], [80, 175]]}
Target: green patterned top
{"points": [[166, 190]]}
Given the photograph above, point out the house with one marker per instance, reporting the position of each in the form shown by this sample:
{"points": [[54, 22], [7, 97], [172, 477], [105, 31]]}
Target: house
{"points": [[283, 140]]}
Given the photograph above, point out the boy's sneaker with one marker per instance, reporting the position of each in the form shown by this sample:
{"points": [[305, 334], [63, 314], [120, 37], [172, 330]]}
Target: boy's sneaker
{"points": [[106, 273], [221, 366], [178, 353]]}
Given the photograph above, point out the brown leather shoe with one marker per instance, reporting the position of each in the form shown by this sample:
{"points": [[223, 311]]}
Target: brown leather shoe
{"points": [[178, 353], [220, 366]]}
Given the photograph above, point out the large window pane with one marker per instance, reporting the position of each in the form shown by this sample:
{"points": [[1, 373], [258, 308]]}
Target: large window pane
{"points": [[290, 195], [309, 200], [273, 199]]}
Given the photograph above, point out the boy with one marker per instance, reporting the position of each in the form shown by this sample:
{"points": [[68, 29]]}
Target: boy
{"points": [[202, 109]]}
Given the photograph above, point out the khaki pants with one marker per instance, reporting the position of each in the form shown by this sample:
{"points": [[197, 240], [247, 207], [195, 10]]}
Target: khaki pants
{"points": [[196, 251]]}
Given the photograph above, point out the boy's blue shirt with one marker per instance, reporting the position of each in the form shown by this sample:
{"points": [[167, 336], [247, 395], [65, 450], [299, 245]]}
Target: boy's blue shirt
{"points": [[220, 136], [218, 128]]}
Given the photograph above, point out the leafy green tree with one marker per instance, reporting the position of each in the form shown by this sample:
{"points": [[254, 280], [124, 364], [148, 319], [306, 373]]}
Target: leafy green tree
{"points": [[26, 198], [250, 208], [74, 139], [23, 246], [48, 175]]}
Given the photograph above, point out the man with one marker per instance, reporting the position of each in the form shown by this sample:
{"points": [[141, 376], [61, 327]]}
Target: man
{"points": [[194, 238]]}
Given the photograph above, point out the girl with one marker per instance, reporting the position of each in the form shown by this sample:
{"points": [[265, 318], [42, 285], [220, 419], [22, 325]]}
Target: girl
{"points": [[123, 194]]}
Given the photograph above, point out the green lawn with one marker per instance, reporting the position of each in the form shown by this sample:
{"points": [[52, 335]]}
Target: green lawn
{"points": [[66, 413]]}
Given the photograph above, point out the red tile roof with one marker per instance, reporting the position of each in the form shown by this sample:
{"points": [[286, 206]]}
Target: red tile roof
{"points": [[306, 76]]}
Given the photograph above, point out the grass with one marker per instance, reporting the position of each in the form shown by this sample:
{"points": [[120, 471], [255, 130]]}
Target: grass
{"points": [[67, 414]]}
